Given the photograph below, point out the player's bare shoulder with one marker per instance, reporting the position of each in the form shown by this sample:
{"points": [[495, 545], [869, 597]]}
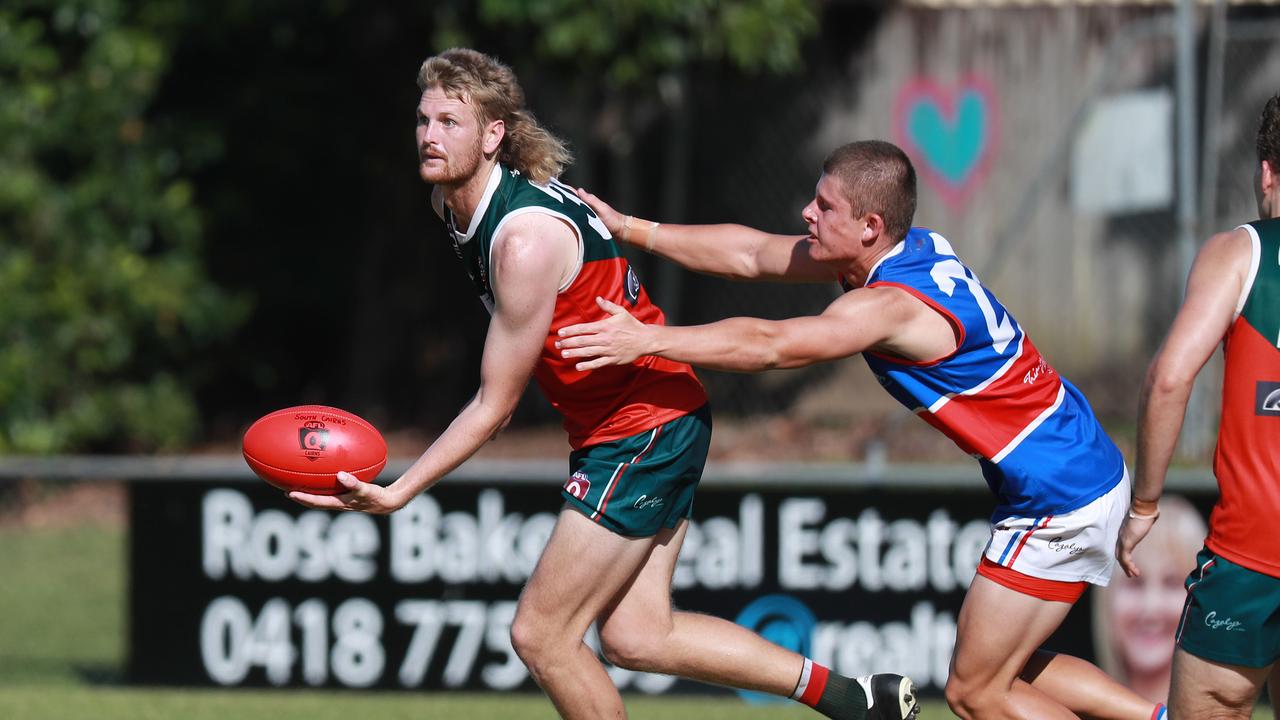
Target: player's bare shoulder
{"points": [[1237, 241], [893, 301], [537, 242], [534, 232], [1228, 253], [899, 322]]}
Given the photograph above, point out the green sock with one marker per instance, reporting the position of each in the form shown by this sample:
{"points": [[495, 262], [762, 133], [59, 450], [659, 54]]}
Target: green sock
{"points": [[842, 699]]}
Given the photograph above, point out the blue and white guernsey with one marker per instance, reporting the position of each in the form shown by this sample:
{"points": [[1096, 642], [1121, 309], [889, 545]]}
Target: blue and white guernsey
{"points": [[1041, 448]]}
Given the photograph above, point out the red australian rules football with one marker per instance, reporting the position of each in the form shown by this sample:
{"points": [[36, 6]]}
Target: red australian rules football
{"points": [[304, 448]]}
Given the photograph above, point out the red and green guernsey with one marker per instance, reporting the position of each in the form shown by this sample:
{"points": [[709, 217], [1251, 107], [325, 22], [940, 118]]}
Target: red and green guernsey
{"points": [[601, 405], [1247, 460]]}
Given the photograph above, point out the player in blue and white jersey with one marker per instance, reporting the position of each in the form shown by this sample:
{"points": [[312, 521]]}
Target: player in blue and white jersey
{"points": [[943, 346]]}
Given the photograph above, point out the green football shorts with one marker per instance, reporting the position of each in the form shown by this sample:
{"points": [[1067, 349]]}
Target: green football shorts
{"points": [[1232, 613], [640, 484]]}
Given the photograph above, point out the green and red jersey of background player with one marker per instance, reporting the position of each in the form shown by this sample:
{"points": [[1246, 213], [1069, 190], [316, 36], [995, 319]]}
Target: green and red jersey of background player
{"points": [[1247, 460]]}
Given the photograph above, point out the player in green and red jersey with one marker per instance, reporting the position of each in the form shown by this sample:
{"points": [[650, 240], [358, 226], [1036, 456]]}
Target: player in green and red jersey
{"points": [[539, 258], [1228, 640]]}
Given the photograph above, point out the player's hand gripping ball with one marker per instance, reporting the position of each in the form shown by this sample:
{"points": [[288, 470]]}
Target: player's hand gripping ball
{"points": [[304, 448]]}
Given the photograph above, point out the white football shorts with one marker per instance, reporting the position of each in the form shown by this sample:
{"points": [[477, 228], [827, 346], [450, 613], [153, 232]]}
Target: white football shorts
{"points": [[1072, 547]]}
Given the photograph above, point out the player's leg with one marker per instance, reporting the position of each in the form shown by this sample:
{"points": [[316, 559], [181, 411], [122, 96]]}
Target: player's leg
{"points": [[602, 538], [1032, 572], [996, 634], [1273, 688], [1084, 689], [641, 632], [1228, 639], [1206, 689], [650, 491], [580, 571]]}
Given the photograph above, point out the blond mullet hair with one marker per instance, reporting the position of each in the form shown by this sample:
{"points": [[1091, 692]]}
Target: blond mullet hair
{"points": [[491, 87]]}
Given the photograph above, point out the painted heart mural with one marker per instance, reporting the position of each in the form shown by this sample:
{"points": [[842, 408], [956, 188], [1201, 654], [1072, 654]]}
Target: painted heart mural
{"points": [[950, 132]]}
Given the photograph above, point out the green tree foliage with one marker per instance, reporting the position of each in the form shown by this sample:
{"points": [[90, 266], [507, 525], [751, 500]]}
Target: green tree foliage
{"points": [[104, 305], [634, 41]]}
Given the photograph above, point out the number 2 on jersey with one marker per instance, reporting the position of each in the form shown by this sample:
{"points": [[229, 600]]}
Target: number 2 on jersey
{"points": [[945, 274]]}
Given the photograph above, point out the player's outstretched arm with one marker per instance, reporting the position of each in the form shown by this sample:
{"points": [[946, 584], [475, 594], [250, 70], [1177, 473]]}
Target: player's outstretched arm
{"points": [[528, 262], [881, 318], [732, 251], [1213, 290]]}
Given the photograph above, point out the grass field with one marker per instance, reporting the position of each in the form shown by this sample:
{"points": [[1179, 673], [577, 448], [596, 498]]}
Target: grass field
{"points": [[62, 655], [112, 703]]}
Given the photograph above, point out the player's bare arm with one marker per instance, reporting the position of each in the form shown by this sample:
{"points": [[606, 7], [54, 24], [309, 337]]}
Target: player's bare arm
{"points": [[732, 251], [886, 320], [530, 258], [1213, 290]]}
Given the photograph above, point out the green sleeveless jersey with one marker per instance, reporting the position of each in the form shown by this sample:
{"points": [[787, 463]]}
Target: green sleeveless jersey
{"points": [[1247, 459], [601, 405]]}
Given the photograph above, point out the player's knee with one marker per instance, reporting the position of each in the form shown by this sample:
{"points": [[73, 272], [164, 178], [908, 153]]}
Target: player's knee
{"points": [[631, 647], [964, 698], [530, 640]]}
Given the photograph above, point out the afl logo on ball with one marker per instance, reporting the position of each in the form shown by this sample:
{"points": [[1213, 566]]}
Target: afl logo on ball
{"points": [[578, 485], [633, 286], [313, 436], [1268, 398]]}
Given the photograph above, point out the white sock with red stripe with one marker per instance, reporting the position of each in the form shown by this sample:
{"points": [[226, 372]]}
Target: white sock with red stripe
{"points": [[836, 696]]}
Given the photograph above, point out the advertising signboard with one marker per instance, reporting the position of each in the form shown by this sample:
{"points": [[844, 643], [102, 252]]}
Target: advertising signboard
{"points": [[234, 585]]}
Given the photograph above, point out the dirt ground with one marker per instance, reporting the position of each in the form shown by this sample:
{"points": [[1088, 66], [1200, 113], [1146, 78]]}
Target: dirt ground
{"points": [[29, 504]]}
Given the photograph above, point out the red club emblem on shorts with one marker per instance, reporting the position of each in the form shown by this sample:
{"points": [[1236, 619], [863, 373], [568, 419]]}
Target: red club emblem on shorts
{"points": [[578, 485]]}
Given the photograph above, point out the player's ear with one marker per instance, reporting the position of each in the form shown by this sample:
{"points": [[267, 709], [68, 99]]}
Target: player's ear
{"points": [[1267, 177], [493, 135], [874, 227]]}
